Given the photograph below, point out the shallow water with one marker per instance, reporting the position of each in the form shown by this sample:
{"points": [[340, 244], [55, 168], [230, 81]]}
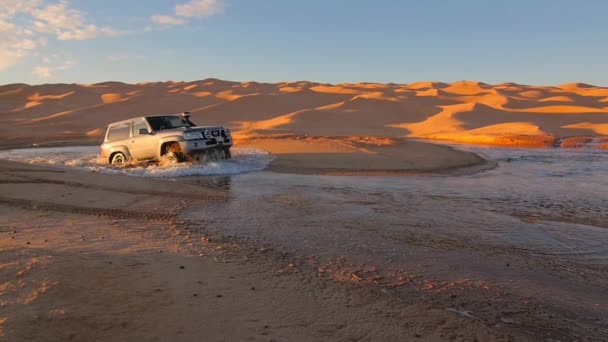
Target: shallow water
{"points": [[545, 201], [86, 157], [538, 221]]}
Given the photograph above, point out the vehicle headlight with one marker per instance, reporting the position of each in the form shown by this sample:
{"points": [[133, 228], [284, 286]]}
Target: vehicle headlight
{"points": [[207, 134], [193, 135]]}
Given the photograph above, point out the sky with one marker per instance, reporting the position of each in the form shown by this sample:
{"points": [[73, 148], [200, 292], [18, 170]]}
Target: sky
{"points": [[540, 42]]}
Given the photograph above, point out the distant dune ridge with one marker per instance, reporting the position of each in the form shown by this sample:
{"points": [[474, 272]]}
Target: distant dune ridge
{"points": [[466, 111]]}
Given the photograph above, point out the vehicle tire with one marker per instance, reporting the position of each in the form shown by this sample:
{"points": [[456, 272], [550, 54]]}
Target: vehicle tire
{"points": [[118, 159], [174, 154], [227, 154]]}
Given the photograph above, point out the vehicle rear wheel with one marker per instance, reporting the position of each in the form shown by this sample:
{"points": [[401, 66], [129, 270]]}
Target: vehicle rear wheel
{"points": [[227, 153], [118, 159]]}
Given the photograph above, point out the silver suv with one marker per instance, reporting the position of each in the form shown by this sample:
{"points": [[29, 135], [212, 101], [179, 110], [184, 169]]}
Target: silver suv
{"points": [[174, 137]]}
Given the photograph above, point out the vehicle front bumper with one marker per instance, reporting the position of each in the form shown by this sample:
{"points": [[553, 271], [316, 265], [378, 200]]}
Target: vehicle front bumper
{"points": [[200, 145]]}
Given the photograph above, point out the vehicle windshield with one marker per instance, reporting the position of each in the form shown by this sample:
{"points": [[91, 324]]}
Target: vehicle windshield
{"points": [[158, 123]]}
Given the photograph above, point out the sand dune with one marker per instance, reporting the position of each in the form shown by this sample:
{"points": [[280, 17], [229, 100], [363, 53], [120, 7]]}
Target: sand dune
{"points": [[557, 99], [425, 85], [336, 90], [600, 129], [111, 97], [467, 88], [506, 113]]}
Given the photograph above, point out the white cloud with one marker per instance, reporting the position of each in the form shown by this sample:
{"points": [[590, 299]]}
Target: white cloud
{"points": [[14, 44], [8, 8], [199, 8], [26, 25], [57, 18], [66, 23], [51, 65], [191, 9], [89, 32], [43, 72], [167, 20], [6, 26]]}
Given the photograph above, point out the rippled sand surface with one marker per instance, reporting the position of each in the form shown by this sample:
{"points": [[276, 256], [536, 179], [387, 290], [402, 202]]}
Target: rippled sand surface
{"points": [[537, 224], [520, 246]]}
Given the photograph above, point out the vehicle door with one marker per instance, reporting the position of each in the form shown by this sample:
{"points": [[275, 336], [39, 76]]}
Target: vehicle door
{"points": [[119, 136], [142, 145]]}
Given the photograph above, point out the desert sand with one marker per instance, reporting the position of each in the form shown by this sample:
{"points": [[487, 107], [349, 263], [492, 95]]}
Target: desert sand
{"points": [[474, 112], [98, 257], [362, 156], [313, 127], [94, 257]]}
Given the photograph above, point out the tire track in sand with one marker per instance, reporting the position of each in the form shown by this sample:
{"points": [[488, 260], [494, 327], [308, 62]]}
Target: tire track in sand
{"points": [[102, 212], [28, 180]]}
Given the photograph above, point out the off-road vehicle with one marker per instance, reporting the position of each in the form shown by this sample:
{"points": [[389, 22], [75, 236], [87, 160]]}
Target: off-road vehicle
{"points": [[173, 137]]}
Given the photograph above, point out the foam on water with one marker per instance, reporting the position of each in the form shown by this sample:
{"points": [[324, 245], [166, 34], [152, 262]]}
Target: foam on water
{"points": [[86, 157]]}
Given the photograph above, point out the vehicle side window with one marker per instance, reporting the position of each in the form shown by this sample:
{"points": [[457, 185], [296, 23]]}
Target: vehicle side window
{"points": [[159, 123], [156, 123], [119, 132], [137, 125]]}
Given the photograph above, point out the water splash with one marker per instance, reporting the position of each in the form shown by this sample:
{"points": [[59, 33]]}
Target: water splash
{"points": [[86, 157]]}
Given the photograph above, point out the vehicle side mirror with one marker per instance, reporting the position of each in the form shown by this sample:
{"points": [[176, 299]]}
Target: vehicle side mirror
{"points": [[143, 131]]}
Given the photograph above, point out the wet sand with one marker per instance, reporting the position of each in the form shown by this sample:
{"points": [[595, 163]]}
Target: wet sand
{"points": [[89, 256], [95, 257], [360, 155]]}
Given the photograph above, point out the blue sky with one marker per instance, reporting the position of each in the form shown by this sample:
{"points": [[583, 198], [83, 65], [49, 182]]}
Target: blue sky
{"points": [[87, 41]]}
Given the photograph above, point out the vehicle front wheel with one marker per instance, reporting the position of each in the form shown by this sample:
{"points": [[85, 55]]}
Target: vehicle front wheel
{"points": [[118, 159], [174, 154]]}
